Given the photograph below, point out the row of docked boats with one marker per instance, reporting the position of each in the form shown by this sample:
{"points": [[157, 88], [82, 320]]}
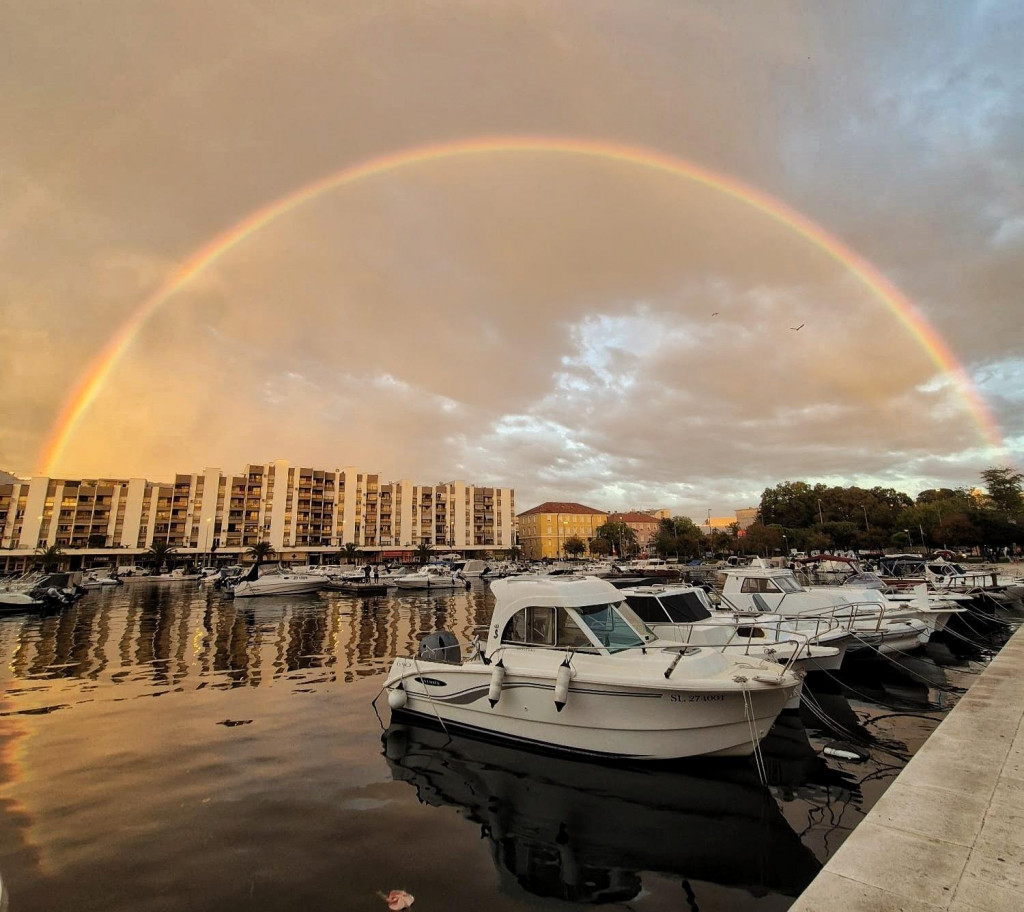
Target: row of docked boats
{"points": [[38, 591], [653, 671]]}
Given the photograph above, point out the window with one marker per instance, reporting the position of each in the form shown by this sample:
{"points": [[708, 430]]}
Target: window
{"points": [[544, 626], [616, 626], [647, 608], [788, 584], [569, 635], [685, 606], [757, 584]]}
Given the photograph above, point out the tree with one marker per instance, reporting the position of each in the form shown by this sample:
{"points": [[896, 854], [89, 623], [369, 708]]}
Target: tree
{"points": [[349, 553], [1004, 487], [423, 552], [574, 546], [261, 551], [600, 547], [765, 540], [679, 536], [160, 553], [49, 558], [620, 536]]}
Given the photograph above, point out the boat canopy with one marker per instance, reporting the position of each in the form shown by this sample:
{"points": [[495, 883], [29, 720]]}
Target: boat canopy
{"points": [[565, 613]]}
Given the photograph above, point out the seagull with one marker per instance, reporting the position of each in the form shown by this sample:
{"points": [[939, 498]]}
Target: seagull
{"points": [[798, 328], [715, 314]]}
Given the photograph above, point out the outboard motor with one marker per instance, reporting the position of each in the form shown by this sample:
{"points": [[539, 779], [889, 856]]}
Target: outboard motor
{"points": [[441, 646]]}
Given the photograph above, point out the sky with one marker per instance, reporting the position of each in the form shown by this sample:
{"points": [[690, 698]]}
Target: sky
{"points": [[576, 327]]}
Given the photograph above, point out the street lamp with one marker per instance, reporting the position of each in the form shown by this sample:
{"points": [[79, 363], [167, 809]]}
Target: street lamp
{"points": [[910, 541], [821, 518]]}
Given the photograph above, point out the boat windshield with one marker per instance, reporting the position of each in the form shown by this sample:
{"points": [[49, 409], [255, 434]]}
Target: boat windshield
{"points": [[616, 626], [788, 584]]}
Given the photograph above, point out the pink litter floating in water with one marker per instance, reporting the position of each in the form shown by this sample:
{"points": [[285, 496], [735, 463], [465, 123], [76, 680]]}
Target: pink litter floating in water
{"points": [[398, 900]]}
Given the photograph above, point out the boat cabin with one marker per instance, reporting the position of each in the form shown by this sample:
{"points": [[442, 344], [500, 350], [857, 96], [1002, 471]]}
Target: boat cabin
{"points": [[760, 580], [585, 614]]}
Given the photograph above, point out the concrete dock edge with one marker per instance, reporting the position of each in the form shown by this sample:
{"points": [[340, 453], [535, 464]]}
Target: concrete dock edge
{"points": [[948, 834]]}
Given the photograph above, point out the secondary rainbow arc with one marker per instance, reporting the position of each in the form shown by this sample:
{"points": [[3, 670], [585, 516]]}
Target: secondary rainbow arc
{"points": [[92, 380]]}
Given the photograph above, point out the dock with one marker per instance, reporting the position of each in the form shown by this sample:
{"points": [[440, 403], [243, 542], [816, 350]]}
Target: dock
{"points": [[948, 834]]}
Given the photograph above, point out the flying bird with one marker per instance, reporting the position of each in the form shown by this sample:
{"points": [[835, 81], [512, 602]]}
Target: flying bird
{"points": [[798, 328], [715, 314]]}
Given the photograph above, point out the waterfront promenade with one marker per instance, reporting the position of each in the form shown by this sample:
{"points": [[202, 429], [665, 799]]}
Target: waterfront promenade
{"points": [[948, 834]]}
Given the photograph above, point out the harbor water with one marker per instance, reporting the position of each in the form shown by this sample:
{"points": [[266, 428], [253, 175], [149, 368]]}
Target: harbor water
{"points": [[164, 748]]}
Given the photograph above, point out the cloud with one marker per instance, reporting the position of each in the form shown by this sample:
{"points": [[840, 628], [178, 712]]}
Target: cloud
{"points": [[579, 329]]}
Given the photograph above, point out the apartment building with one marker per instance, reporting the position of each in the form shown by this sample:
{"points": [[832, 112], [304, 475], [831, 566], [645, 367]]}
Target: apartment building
{"points": [[300, 511]]}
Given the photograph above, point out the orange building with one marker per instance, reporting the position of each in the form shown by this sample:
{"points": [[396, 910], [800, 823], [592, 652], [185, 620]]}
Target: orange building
{"points": [[544, 530]]}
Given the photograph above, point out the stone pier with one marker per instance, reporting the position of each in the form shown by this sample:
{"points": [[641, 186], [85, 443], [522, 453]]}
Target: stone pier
{"points": [[948, 834]]}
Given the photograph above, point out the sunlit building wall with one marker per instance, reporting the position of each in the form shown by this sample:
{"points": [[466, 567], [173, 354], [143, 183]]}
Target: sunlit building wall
{"points": [[544, 530]]}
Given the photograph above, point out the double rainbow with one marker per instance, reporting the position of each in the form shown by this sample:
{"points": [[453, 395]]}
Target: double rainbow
{"points": [[92, 381]]}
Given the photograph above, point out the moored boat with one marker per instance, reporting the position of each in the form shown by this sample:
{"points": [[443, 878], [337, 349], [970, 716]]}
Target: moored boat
{"points": [[568, 665], [430, 577], [260, 581], [875, 624]]}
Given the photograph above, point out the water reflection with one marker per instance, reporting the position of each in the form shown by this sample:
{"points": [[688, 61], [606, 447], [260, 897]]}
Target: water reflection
{"points": [[190, 637], [584, 832]]}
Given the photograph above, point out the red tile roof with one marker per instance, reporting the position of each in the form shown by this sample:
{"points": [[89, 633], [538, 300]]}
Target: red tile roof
{"points": [[633, 517], [558, 506]]}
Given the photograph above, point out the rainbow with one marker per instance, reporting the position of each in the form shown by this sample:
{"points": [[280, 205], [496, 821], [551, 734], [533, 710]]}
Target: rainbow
{"points": [[91, 382]]}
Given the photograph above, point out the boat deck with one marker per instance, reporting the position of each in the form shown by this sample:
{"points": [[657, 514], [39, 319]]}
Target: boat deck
{"points": [[948, 834]]}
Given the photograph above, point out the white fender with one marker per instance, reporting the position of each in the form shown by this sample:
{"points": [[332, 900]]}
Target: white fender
{"points": [[562, 685], [497, 678], [397, 697]]}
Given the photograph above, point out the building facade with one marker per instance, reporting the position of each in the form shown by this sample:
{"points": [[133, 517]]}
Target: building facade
{"points": [[302, 512], [544, 530], [644, 526]]}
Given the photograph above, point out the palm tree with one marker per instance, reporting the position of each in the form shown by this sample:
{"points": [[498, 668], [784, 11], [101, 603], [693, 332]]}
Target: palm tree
{"points": [[261, 551], [350, 552], [49, 558], [160, 553], [423, 552]]}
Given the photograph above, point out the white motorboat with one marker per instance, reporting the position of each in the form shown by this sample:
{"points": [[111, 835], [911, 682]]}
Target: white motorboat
{"points": [[260, 581], [430, 577], [874, 623], [474, 568], [96, 579], [16, 600], [178, 575], [684, 614], [568, 665], [934, 608]]}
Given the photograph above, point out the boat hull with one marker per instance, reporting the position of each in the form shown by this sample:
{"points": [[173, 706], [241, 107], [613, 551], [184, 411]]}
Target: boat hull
{"points": [[624, 721], [246, 589], [402, 583]]}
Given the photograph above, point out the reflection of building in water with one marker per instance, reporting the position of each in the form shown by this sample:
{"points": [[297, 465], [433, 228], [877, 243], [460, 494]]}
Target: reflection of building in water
{"points": [[583, 831], [302, 512], [166, 635]]}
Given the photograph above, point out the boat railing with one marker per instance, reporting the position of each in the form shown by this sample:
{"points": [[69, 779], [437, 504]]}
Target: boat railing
{"points": [[743, 637], [862, 614]]}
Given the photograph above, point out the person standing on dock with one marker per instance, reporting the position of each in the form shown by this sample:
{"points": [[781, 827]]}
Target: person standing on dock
{"points": [[366, 572]]}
